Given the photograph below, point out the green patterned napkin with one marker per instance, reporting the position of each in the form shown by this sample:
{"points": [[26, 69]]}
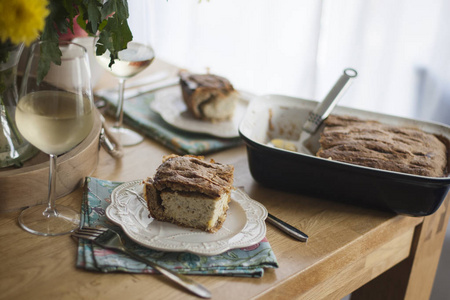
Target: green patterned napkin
{"points": [[139, 115], [246, 262]]}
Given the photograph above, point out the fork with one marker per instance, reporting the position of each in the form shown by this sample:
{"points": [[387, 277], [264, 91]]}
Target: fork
{"points": [[110, 239]]}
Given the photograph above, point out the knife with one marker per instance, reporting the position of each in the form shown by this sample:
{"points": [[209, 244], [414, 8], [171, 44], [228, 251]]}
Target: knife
{"points": [[287, 228], [131, 93]]}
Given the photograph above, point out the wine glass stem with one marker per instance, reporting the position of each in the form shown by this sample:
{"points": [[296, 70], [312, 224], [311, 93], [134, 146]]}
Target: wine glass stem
{"points": [[50, 210], [119, 113]]}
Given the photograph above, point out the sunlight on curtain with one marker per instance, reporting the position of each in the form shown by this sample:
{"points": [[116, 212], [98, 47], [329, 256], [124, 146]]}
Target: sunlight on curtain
{"points": [[434, 84], [299, 48], [386, 41], [261, 46]]}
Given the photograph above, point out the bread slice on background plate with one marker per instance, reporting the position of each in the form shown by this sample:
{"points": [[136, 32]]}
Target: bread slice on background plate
{"points": [[208, 97]]}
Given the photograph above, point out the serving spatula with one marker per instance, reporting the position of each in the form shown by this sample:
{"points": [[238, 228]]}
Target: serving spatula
{"points": [[317, 116]]}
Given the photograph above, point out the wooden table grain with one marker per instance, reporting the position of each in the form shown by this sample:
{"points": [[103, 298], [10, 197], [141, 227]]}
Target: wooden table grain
{"points": [[371, 254]]}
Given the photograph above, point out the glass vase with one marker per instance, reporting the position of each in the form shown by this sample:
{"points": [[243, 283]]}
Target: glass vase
{"points": [[14, 149]]}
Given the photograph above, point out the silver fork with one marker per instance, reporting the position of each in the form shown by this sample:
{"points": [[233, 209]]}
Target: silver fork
{"points": [[110, 239]]}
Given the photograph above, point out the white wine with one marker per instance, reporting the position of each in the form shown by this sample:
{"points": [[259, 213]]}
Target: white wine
{"points": [[54, 121], [124, 68], [131, 61]]}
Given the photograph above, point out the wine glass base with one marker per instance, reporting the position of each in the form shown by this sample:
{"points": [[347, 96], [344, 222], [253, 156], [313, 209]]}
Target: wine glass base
{"points": [[125, 136], [35, 221]]}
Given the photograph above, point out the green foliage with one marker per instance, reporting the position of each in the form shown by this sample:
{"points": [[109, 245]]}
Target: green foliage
{"points": [[4, 51], [115, 34], [107, 19]]}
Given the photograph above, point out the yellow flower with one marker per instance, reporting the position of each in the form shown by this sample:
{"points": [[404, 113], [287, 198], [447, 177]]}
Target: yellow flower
{"points": [[22, 20]]}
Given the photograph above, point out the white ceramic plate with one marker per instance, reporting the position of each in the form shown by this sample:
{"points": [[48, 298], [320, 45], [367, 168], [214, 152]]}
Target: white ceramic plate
{"points": [[171, 107], [243, 227]]}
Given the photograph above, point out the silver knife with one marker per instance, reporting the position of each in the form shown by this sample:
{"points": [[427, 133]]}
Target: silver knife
{"points": [[128, 94], [287, 228]]}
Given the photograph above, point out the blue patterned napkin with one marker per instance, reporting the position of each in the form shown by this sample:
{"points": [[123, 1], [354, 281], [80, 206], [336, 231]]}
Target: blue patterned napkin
{"points": [[139, 115], [246, 262]]}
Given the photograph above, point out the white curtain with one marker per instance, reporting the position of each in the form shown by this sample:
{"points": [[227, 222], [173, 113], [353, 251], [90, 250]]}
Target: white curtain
{"points": [[401, 48]]}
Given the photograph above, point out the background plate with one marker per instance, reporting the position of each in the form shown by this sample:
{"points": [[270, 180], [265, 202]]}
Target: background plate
{"points": [[171, 107], [244, 226]]}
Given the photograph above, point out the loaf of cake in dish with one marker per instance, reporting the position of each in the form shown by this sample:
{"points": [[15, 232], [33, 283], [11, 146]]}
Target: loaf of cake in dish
{"points": [[208, 97], [377, 145], [190, 192]]}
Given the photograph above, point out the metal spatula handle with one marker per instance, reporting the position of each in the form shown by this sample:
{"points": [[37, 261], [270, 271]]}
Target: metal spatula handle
{"points": [[324, 108]]}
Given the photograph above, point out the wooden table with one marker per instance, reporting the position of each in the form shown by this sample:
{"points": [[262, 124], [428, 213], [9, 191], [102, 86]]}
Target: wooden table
{"points": [[372, 254]]}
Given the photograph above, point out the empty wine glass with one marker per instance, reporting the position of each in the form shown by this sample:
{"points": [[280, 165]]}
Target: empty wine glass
{"points": [[54, 115], [131, 61]]}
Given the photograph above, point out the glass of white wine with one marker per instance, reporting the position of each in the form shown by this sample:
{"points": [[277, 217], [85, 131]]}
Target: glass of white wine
{"points": [[54, 115], [131, 61]]}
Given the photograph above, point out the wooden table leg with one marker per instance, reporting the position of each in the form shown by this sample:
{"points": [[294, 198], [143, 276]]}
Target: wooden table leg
{"points": [[413, 278]]}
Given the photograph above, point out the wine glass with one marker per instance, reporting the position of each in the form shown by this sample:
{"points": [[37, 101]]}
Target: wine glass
{"points": [[131, 61], [54, 115]]}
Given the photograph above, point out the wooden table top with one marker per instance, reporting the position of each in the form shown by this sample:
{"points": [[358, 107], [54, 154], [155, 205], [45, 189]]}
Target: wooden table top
{"points": [[348, 247]]}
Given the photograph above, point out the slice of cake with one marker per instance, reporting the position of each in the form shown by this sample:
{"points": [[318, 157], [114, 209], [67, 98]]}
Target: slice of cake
{"points": [[208, 97], [382, 146], [190, 192]]}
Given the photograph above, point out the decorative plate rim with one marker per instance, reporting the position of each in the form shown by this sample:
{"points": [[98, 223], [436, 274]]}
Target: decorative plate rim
{"points": [[252, 232]]}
